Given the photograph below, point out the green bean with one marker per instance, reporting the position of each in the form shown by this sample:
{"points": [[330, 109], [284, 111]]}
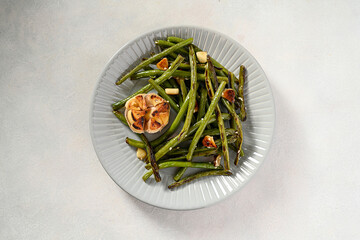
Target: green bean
{"points": [[210, 80], [173, 83], [153, 59], [121, 117], [220, 121], [206, 118], [230, 139], [216, 131], [151, 158], [199, 175], [147, 68], [232, 146], [135, 143], [180, 173], [202, 104], [180, 137], [174, 39], [177, 121], [183, 88], [235, 149], [212, 119], [233, 122], [171, 55], [213, 132], [237, 124], [166, 44], [213, 124], [216, 64], [174, 141], [164, 76], [177, 73], [166, 84], [193, 91], [232, 86], [181, 164], [200, 68], [198, 152], [241, 92], [148, 166], [210, 72], [163, 94], [180, 100], [202, 151]]}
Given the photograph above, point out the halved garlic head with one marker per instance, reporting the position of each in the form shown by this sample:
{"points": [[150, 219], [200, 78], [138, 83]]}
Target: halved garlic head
{"points": [[147, 113]]}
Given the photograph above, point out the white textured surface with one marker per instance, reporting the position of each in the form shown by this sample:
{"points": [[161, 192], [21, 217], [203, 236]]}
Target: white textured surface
{"points": [[119, 159], [53, 187]]}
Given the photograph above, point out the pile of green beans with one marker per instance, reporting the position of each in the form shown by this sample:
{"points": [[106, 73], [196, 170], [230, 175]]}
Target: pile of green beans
{"points": [[200, 106]]}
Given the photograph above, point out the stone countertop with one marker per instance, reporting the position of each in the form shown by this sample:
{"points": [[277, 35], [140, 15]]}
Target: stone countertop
{"points": [[52, 185]]}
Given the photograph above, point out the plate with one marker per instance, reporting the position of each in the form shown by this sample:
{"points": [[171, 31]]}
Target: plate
{"points": [[119, 160]]}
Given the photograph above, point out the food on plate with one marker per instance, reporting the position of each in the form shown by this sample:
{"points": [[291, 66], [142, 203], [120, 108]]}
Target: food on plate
{"points": [[141, 153], [208, 141], [229, 94], [147, 113], [163, 64], [172, 91], [204, 96], [201, 56]]}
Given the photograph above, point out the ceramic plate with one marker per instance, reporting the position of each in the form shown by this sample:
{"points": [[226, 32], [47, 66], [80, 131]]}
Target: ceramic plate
{"points": [[119, 160]]}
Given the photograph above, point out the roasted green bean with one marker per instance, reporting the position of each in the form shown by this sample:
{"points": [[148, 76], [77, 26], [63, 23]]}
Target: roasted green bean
{"points": [[216, 63], [154, 58], [241, 92], [177, 73], [164, 76], [202, 104], [205, 120], [165, 44], [182, 164], [193, 91], [151, 158], [135, 143], [163, 94], [199, 175]]}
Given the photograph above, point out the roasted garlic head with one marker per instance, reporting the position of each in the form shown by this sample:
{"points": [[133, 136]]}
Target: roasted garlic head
{"points": [[147, 113]]}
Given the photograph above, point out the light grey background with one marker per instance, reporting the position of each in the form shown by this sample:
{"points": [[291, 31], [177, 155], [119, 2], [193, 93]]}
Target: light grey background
{"points": [[53, 187]]}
